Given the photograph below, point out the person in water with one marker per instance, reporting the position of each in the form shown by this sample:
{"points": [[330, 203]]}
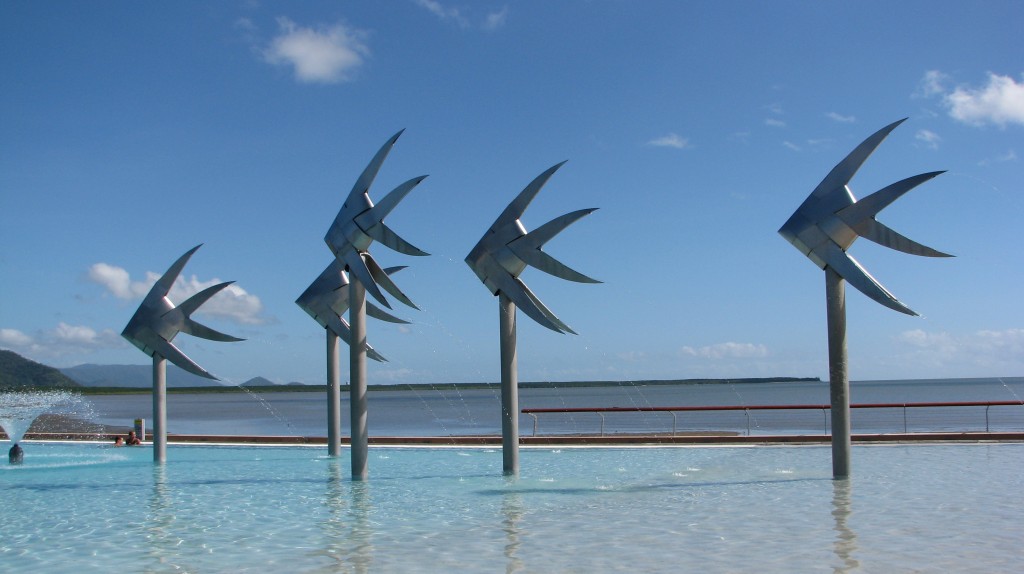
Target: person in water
{"points": [[16, 455], [133, 439]]}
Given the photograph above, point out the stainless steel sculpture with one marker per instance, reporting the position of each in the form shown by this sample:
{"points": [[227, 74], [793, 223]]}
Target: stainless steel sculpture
{"points": [[357, 225], [360, 222], [824, 226], [326, 300], [501, 255], [152, 328]]}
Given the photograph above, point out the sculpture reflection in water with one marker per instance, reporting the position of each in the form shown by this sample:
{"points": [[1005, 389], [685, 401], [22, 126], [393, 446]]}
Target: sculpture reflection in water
{"points": [[846, 539], [824, 226], [513, 512], [348, 526], [501, 255], [162, 541]]}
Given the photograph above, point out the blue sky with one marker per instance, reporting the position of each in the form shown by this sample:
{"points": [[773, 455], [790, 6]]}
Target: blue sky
{"points": [[131, 132]]}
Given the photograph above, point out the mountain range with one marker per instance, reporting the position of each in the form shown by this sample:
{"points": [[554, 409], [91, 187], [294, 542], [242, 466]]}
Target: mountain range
{"points": [[18, 372]]}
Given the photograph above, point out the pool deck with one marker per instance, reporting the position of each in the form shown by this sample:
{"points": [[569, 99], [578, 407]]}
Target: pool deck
{"points": [[558, 440]]}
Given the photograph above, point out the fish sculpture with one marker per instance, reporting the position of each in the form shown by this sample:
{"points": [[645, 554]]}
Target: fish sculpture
{"points": [[828, 222], [157, 320], [326, 300], [360, 222], [506, 249]]}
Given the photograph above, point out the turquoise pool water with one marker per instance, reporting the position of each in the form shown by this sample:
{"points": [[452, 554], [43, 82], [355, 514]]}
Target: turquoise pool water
{"points": [[924, 508]]}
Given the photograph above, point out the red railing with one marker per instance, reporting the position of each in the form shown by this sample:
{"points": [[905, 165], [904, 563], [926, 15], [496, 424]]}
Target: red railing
{"points": [[600, 411]]}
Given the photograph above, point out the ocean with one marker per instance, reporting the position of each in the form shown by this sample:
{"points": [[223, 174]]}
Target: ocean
{"points": [[447, 412]]}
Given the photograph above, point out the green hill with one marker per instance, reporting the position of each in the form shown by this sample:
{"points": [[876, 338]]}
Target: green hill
{"points": [[17, 372]]}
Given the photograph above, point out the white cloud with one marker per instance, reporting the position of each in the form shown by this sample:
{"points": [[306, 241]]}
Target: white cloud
{"points": [[670, 140], [232, 303], [841, 118], [496, 20], [492, 21], [632, 356], [774, 123], [932, 84], [742, 137], [397, 375], [727, 350], [61, 341], [14, 338], [791, 145], [327, 55], [930, 138], [246, 25], [118, 282], [1010, 155], [1000, 102], [985, 351], [445, 14], [75, 334]]}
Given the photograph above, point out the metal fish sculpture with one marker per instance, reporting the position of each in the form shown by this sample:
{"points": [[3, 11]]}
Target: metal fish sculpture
{"points": [[506, 249], [157, 320], [828, 222], [327, 299], [360, 222]]}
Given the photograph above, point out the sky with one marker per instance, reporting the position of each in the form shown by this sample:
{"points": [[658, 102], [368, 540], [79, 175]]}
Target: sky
{"points": [[131, 132]]}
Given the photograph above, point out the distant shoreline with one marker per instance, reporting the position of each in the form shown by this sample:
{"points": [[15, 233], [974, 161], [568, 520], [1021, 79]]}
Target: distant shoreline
{"points": [[442, 386]]}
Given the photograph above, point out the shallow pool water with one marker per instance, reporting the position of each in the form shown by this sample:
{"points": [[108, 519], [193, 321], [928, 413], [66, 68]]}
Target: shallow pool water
{"points": [[922, 508]]}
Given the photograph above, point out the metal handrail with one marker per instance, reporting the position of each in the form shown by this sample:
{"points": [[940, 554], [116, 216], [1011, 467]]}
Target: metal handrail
{"points": [[747, 408]]}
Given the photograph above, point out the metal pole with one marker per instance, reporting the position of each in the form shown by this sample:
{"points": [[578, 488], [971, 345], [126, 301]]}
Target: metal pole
{"points": [[509, 387], [357, 378], [333, 395], [839, 379], [159, 409]]}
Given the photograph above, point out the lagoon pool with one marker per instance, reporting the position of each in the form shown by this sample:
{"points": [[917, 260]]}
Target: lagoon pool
{"points": [[922, 508]]}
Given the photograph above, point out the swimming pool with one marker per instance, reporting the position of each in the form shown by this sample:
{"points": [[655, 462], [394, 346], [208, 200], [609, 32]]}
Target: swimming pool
{"points": [[95, 508]]}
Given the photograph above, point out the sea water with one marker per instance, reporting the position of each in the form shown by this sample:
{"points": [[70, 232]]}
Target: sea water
{"points": [[907, 508], [451, 412]]}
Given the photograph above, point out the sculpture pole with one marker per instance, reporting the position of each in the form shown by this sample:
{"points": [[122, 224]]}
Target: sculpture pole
{"points": [[838, 373], [333, 395], [509, 387], [159, 409], [357, 379]]}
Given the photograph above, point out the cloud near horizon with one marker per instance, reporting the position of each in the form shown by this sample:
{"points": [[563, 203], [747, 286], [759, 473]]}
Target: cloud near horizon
{"points": [[328, 55], [728, 350], [984, 350], [60, 341]]}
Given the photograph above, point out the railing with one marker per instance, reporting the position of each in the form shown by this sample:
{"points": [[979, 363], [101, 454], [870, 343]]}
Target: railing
{"points": [[601, 411]]}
